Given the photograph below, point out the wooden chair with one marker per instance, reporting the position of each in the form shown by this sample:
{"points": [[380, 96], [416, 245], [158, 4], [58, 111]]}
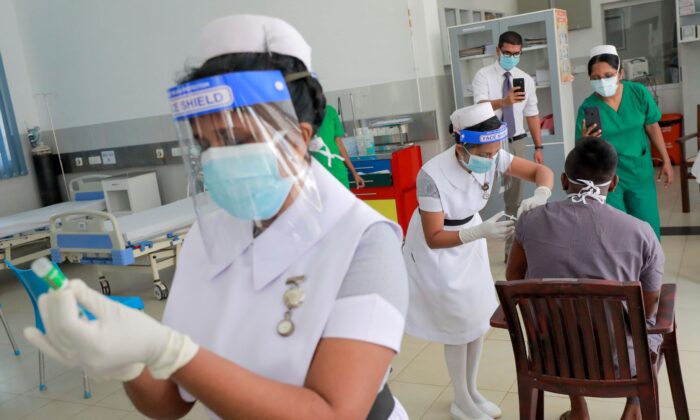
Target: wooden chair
{"points": [[569, 336], [687, 163]]}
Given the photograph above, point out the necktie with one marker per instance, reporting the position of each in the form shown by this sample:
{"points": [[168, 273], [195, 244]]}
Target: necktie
{"points": [[508, 115]]}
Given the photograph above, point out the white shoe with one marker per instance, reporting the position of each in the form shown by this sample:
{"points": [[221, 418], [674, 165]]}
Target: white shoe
{"points": [[490, 408], [458, 414]]}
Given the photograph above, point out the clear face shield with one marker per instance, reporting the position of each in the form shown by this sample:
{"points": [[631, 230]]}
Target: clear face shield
{"points": [[244, 150]]}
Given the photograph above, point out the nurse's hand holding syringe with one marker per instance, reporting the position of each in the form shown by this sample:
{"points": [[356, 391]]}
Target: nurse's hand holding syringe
{"points": [[117, 344], [489, 229]]}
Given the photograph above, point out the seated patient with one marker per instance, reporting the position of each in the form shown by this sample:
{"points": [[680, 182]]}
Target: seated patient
{"points": [[582, 237]]}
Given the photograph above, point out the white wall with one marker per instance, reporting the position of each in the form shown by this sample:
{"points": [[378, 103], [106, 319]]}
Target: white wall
{"points": [[582, 40], [111, 61], [20, 193]]}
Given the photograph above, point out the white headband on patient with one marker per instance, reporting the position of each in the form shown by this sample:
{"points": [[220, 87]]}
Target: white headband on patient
{"points": [[592, 190]]}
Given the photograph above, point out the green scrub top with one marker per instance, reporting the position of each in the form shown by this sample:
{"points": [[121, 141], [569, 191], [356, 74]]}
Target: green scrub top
{"points": [[625, 130], [330, 129]]}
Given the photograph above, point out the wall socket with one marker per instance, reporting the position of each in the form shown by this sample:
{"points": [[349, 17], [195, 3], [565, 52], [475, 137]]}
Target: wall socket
{"points": [[78, 161], [160, 154], [176, 151], [95, 160], [109, 158]]}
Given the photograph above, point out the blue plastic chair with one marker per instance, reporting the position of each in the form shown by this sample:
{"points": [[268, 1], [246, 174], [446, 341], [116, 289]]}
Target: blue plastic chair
{"points": [[35, 287]]}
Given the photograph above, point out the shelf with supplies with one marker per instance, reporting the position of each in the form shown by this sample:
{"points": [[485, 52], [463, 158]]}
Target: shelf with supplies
{"points": [[526, 49], [688, 18]]}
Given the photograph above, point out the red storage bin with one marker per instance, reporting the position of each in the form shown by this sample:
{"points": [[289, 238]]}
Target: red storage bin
{"points": [[405, 164], [671, 128]]}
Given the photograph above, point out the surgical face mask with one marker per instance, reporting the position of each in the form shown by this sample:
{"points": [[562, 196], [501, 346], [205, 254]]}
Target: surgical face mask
{"points": [[509, 62], [245, 180], [605, 87], [591, 190], [478, 164]]}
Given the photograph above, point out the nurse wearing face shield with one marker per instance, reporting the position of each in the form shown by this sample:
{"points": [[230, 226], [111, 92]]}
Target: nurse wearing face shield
{"points": [[629, 120], [290, 294], [452, 296]]}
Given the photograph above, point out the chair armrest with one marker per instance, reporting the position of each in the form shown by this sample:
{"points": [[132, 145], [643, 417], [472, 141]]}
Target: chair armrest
{"points": [[498, 319], [666, 313], [687, 137]]}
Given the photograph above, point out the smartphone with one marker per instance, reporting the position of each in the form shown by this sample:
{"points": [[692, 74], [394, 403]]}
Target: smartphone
{"points": [[592, 116], [519, 83]]}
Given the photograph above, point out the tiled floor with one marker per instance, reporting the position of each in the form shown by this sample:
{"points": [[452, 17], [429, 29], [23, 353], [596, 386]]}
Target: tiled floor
{"points": [[419, 379]]}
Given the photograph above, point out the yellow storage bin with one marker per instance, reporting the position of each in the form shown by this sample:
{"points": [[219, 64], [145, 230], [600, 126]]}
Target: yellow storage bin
{"points": [[386, 207]]}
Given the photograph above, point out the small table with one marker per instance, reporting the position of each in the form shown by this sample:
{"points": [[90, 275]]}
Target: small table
{"points": [[131, 192]]}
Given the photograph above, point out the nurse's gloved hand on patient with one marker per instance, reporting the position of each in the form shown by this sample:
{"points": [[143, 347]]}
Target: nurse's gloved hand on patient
{"points": [[540, 198], [489, 229], [118, 344]]}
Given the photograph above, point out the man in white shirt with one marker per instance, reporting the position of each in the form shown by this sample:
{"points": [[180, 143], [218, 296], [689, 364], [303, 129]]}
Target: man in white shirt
{"points": [[494, 83]]}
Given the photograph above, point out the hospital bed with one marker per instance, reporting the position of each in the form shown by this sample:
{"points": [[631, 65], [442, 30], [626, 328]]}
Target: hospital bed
{"points": [[24, 236], [145, 241]]}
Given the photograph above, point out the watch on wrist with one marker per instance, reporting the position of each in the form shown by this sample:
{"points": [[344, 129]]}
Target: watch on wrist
{"points": [[540, 147]]}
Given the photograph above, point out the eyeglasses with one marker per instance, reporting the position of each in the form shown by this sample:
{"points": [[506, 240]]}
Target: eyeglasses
{"points": [[510, 54]]}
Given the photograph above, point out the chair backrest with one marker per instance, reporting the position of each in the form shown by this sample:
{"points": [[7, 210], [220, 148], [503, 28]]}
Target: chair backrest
{"points": [[571, 335], [34, 286]]}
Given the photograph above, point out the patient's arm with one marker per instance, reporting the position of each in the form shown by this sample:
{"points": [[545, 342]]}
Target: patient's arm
{"points": [[517, 262], [651, 303]]}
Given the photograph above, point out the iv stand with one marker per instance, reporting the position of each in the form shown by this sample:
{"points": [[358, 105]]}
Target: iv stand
{"points": [[55, 139]]}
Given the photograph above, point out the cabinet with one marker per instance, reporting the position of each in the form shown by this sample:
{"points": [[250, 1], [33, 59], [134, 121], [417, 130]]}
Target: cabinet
{"points": [[390, 183], [131, 192], [545, 57], [458, 12]]}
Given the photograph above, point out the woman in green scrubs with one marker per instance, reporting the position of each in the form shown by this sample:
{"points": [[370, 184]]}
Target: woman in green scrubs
{"points": [[332, 153], [629, 119]]}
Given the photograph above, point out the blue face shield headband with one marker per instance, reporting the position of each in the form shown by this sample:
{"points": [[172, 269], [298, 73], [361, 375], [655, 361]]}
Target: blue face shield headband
{"points": [[227, 91], [484, 137]]}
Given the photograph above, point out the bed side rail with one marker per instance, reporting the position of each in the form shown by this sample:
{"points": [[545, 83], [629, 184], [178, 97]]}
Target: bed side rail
{"points": [[88, 236]]}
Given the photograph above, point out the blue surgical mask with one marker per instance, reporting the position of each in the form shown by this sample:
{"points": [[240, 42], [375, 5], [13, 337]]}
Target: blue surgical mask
{"points": [[245, 181], [605, 87], [509, 62], [478, 164]]}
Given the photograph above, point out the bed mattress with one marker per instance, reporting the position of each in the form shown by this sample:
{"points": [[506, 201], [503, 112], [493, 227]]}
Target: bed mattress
{"points": [[37, 219], [149, 224]]}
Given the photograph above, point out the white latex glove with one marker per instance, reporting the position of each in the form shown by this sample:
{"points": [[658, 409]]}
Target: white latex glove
{"points": [[539, 198], [116, 345], [490, 229]]}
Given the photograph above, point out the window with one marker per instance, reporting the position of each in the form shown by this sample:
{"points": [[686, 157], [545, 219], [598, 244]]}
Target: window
{"points": [[645, 28], [11, 156]]}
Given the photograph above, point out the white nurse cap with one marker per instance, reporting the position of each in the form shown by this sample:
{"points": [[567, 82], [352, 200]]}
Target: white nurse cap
{"points": [[253, 33], [471, 115], [603, 49]]}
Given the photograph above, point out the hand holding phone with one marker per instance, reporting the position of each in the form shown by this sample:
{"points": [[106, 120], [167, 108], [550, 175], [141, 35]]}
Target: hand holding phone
{"points": [[591, 122], [517, 93]]}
